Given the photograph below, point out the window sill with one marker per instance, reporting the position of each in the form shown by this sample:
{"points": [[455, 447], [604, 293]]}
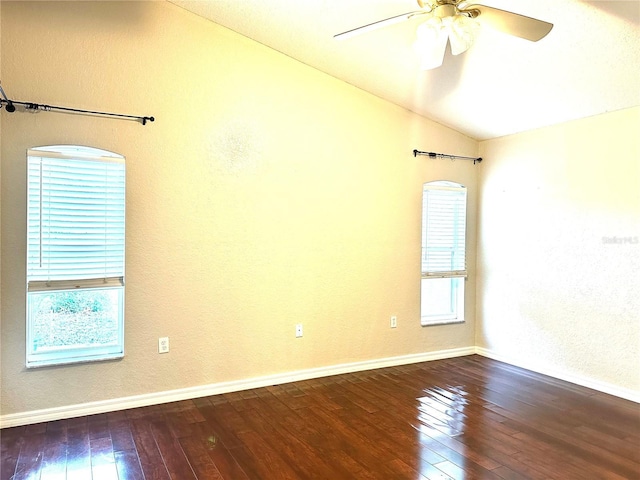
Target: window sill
{"points": [[35, 364], [441, 322]]}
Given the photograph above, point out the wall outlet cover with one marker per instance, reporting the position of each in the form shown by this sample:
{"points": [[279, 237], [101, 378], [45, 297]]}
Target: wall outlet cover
{"points": [[163, 345]]}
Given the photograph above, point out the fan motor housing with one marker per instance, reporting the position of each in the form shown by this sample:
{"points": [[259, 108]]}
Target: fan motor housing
{"points": [[442, 8], [445, 10]]}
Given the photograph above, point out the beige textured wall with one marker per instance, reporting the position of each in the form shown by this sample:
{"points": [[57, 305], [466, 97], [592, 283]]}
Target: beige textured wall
{"points": [[266, 194], [0, 192], [557, 293]]}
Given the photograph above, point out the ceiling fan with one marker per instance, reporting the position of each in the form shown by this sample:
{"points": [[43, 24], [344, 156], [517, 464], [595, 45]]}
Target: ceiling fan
{"points": [[456, 22]]}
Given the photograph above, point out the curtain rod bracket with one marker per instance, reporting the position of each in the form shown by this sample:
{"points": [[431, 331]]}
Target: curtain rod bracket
{"points": [[444, 155]]}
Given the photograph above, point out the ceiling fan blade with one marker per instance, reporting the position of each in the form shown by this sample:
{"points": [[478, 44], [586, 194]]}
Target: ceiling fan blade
{"points": [[379, 24], [511, 23]]}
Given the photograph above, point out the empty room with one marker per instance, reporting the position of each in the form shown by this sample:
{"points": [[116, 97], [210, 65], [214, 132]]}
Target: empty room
{"points": [[383, 239]]}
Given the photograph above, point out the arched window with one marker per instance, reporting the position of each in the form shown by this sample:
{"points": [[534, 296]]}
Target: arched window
{"points": [[75, 255], [444, 206]]}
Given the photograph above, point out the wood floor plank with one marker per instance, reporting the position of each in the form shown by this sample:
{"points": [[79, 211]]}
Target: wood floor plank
{"points": [[451, 450], [326, 442], [171, 452], [227, 464], [263, 459], [459, 418], [201, 463], [224, 461], [121, 437], [29, 462], [128, 465], [561, 437], [365, 451], [225, 422], [98, 426], [301, 451], [609, 442], [151, 460], [103, 462], [78, 450], [54, 457], [572, 461], [12, 440], [451, 469]]}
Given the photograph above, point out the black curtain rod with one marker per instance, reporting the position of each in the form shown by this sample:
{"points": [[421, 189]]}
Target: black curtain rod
{"points": [[30, 106], [444, 155]]}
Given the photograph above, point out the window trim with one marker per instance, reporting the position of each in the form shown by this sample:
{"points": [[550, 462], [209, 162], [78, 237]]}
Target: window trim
{"points": [[38, 285], [456, 274]]}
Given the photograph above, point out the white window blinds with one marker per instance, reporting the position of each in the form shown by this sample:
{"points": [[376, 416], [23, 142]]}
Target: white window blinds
{"points": [[76, 215], [443, 230]]}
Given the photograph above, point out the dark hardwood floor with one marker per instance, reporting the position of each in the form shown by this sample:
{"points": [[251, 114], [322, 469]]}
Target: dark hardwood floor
{"points": [[461, 418]]}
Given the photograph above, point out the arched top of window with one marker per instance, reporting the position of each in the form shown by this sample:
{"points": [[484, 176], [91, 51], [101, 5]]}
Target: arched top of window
{"points": [[443, 184], [74, 151]]}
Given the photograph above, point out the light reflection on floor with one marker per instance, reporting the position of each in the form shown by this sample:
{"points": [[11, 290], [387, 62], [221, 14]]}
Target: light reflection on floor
{"points": [[441, 417], [443, 410]]}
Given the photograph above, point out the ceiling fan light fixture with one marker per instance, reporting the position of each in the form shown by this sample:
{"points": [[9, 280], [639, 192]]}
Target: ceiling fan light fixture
{"points": [[431, 43], [432, 36], [462, 33]]}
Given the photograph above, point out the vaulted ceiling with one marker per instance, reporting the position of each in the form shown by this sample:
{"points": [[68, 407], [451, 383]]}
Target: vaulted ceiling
{"points": [[589, 63]]}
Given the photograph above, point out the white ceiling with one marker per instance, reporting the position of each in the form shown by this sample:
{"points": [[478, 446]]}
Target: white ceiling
{"points": [[589, 63]]}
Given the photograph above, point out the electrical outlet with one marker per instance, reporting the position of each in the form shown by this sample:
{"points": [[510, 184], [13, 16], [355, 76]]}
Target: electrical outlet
{"points": [[298, 330], [394, 321], [163, 345]]}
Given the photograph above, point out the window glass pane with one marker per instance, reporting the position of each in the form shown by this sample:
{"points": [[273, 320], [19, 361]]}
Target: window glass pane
{"points": [[442, 300], [74, 318], [437, 296]]}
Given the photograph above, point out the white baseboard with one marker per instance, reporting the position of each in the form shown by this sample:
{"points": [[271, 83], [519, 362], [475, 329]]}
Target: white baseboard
{"points": [[145, 400], [583, 381]]}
